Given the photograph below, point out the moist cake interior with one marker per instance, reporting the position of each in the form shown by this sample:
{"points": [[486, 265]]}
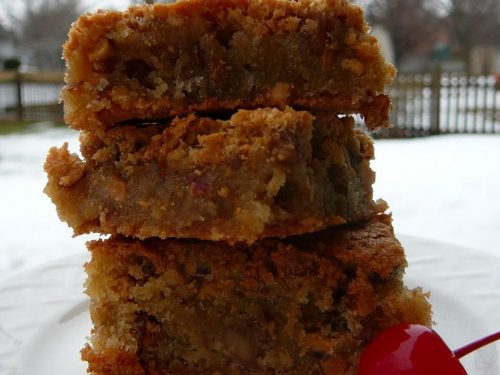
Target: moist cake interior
{"points": [[302, 305]]}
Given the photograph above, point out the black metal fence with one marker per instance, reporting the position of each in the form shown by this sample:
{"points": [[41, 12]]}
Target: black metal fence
{"points": [[443, 103], [30, 96]]}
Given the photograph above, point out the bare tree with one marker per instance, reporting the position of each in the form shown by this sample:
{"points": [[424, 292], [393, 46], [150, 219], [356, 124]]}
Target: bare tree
{"points": [[42, 27], [48, 18], [410, 23]]}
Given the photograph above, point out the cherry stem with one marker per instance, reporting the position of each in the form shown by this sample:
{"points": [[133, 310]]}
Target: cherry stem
{"points": [[464, 350]]}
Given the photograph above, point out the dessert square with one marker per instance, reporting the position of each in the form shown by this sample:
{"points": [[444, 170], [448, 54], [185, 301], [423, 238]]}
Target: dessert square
{"points": [[165, 60], [260, 173], [300, 305]]}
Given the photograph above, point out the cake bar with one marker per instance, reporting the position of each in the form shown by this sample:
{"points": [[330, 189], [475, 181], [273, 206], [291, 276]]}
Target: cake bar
{"points": [[300, 305], [165, 60], [261, 173]]}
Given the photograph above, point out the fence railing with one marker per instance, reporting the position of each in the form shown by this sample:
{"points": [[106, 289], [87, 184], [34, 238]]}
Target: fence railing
{"points": [[442, 103], [30, 96]]}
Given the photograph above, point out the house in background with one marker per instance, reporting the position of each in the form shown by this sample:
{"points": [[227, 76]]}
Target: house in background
{"points": [[43, 54], [384, 38], [8, 49], [485, 59], [438, 49]]}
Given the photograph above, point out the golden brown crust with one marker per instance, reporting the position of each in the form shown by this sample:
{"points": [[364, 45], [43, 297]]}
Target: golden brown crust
{"points": [[203, 56], [262, 173], [113, 361], [69, 168], [303, 305]]}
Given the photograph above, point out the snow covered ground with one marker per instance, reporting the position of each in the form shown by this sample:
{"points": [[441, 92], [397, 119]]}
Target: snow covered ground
{"points": [[30, 232], [445, 188]]}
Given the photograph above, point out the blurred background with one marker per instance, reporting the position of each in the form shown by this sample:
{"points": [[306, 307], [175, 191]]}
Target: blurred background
{"points": [[437, 167]]}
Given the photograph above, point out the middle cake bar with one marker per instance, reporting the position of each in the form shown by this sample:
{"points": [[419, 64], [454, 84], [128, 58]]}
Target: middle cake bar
{"points": [[261, 173]]}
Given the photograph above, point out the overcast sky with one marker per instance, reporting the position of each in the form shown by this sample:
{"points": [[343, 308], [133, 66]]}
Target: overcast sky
{"points": [[105, 4], [87, 5]]}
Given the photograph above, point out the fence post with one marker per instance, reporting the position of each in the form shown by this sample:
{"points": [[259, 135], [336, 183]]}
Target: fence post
{"points": [[436, 100], [19, 96]]}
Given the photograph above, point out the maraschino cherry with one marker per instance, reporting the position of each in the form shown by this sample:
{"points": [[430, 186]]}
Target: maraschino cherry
{"points": [[413, 349]]}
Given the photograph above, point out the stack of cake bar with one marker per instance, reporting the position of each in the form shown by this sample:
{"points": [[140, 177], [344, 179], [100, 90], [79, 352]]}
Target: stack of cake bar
{"points": [[220, 155]]}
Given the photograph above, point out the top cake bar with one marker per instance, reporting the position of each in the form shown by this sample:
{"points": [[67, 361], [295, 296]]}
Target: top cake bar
{"points": [[165, 60]]}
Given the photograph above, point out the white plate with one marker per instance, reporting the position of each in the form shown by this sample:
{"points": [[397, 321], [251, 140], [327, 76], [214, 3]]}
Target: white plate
{"points": [[44, 320]]}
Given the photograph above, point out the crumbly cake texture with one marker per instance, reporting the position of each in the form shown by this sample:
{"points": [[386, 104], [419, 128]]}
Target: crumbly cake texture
{"points": [[261, 173], [301, 305], [165, 60]]}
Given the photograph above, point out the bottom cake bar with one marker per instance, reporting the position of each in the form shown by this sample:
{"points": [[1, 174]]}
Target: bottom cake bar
{"points": [[301, 305]]}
